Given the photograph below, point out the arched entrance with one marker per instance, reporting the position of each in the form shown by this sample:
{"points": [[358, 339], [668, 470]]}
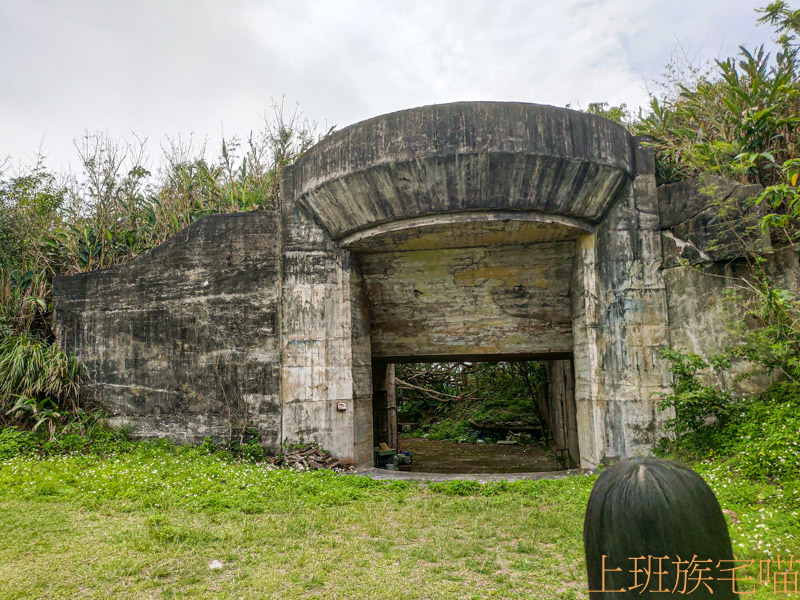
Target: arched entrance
{"points": [[469, 231]]}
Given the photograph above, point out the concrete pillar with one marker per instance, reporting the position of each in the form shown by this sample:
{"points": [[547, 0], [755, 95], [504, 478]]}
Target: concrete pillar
{"points": [[619, 324], [326, 374], [560, 407], [384, 405]]}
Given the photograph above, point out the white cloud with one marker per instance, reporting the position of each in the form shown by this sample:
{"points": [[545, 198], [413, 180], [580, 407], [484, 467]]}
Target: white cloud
{"points": [[179, 66]]}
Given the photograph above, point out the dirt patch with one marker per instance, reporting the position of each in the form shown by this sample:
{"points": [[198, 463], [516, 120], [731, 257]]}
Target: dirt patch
{"points": [[441, 456]]}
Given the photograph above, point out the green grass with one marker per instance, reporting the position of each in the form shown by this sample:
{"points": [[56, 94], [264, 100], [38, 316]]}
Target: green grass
{"points": [[148, 522]]}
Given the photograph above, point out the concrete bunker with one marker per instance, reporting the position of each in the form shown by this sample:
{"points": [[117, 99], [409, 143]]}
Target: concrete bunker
{"points": [[458, 231]]}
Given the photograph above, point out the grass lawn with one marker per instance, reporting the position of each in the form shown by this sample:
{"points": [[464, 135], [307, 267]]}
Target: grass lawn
{"points": [[152, 521]]}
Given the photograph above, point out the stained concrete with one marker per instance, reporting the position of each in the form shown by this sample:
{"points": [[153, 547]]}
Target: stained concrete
{"points": [[464, 157], [557, 408], [488, 300], [460, 231], [184, 342], [709, 220]]}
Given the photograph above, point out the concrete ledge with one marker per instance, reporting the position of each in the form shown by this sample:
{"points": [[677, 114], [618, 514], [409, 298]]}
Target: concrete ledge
{"points": [[465, 230], [384, 475]]}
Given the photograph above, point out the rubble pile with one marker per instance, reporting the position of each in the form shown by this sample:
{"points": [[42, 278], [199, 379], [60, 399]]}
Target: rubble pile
{"points": [[308, 459]]}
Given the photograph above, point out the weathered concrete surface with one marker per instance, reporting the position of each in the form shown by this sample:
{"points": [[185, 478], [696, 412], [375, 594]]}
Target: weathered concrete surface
{"points": [[493, 300], [480, 230], [325, 343], [465, 230], [417, 196], [709, 220], [463, 157], [384, 405], [558, 408], [709, 231], [707, 307], [183, 342], [620, 322]]}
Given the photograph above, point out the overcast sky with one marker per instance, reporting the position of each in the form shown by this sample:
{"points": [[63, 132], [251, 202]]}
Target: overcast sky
{"points": [[166, 67]]}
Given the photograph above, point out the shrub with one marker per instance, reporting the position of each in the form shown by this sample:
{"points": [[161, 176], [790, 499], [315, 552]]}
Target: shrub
{"points": [[458, 431], [250, 450], [758, 434], [701, 410], [764, 440], [207, 447], [14, 442], [35, 375]]}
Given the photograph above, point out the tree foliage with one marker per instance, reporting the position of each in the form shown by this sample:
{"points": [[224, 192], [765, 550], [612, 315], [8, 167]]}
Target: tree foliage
{"points": [[442, 398], [742, 123]]}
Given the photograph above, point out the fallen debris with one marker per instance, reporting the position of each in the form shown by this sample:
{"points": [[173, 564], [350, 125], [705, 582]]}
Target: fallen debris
{"points": [[309, 459], [734, 517]]}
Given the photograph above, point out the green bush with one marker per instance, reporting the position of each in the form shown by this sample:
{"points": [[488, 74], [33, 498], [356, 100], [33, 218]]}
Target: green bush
{"points": [[251, 450], [701, 410], [14, 442], [757, 435], [37, 380], [458, 431], [86, 433], [764, 439], [72, 442], [207, 447]]}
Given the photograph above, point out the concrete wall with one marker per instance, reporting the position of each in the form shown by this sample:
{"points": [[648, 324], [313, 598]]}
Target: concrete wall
{"points": [[480, 301], [709, 220], [706, 226], [619, 323], [326, 352], [184, 341]]}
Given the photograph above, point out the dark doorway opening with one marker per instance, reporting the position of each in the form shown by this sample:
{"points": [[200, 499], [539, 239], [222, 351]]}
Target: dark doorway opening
{"points": [[475, 416]]}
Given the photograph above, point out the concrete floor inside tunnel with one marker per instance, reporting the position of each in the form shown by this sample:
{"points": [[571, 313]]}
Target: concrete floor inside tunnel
{"points": [[446, 456]]}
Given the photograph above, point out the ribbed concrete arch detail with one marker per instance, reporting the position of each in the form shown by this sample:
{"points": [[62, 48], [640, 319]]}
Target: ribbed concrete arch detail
{"points": [[469, 156], [465, 229]]}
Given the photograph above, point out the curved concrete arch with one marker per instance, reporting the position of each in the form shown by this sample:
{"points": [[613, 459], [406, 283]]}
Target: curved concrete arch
{"points": [[464, 229], [466, 156]]}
